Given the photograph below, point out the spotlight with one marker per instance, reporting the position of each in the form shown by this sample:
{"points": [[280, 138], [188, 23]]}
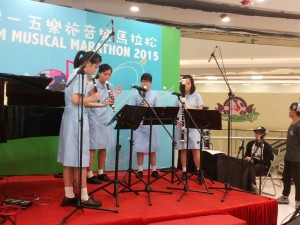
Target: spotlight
{"points": [[245, 2], [225, 18], [134, 9]]}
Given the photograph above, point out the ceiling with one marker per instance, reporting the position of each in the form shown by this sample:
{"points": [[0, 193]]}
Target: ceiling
{"points": [[261, 38]]}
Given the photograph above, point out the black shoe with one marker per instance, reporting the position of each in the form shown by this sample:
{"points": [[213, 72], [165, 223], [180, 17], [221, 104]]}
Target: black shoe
{"points": [[58, 175], [103, 177], [183, 176], [91, 202], [69, 201], [93, 180], [155, 174], [139, 174], [200, 177]]}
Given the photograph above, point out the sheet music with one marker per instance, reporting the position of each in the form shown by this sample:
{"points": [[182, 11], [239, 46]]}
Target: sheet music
{"points": [[213, 152]]}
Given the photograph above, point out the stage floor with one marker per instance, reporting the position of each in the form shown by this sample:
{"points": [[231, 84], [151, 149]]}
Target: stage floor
{"points": [[135, 209]]}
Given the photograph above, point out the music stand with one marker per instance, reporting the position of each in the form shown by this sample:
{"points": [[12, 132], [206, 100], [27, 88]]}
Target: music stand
{"points": [[140, 111], [168, 116], [204, 119], [155, 116], [128, 117]]}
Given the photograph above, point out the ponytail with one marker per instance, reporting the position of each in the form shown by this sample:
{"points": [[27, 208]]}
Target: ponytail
{"points": [[82, 56]]}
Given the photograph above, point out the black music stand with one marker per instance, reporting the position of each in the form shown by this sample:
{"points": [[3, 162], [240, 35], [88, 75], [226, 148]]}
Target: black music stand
{"points": [[128, 117], [168, 116], [204, 119], [155, 116], [137, 111]]}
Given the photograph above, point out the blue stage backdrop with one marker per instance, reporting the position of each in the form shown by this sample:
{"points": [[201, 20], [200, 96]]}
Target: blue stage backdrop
{"points": [[40, 38]]}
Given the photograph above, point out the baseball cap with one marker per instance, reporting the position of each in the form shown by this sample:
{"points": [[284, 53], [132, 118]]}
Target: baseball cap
{"points": [[261, 130], [295, 106]]}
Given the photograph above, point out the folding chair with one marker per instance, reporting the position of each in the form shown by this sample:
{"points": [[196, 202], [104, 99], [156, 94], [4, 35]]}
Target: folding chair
{"points": [[274, 168]]}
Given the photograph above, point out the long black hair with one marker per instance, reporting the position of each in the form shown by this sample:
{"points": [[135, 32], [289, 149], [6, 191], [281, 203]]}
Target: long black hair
{"points": [[102, 68], [182, 87], [82, 56]]}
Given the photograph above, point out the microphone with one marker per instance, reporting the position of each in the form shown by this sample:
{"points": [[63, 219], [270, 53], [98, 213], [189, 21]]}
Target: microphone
{"points": [[143, 96], [138, 88], [212, 54], [261, 137], [242, 144], [241, 148], [176, 93], [112, 31]]}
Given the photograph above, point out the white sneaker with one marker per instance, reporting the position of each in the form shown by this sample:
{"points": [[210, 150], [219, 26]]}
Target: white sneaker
{"points": [[254, 189], [283, 200], [297, 204]]}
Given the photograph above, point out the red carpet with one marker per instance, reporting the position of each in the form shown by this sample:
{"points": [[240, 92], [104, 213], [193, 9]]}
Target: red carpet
{"points": [[134, 209]]}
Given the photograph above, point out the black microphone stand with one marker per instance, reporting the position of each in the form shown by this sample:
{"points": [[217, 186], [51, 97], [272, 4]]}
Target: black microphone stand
{"points": [[259, 145], [260, 167], [79, 205], [231, 97], [241, 149]]}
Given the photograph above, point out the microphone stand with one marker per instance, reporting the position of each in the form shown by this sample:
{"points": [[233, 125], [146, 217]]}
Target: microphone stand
{"points": [[81, 68], [241, 148], [231, 96], [260, 166], [260, 145], [79, 204]]}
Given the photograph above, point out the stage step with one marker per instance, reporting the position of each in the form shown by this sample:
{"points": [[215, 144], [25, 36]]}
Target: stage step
{"points": [[210, 219]]}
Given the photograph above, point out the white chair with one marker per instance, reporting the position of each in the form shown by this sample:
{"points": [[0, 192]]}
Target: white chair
{"points": [[274, 168]]}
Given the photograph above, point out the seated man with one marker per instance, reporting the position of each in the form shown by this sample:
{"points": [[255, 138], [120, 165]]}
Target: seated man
{"points": [[260, 153]]}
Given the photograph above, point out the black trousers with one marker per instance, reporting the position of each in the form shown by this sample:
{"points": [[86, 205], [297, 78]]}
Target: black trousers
{"points": [[291, 171], [256, 173]]}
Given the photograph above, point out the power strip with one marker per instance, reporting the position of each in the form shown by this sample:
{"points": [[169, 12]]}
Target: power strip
{"points": [[24, 204]]}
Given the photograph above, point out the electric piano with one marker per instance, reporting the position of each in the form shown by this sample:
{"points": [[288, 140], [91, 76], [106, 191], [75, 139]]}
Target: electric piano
{"points": [[27, 108]]}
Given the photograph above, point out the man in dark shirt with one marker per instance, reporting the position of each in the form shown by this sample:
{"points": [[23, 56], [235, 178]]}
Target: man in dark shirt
{"points": [[260, 153], [292, 157]]}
